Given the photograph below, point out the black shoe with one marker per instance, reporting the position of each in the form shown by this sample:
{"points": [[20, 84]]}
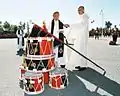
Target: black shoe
{"points": [[80, 68], [62, 66], [17, 53]]}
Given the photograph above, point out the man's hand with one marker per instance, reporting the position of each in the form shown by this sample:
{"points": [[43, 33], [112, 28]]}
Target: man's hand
{"points": [[66, 25]]}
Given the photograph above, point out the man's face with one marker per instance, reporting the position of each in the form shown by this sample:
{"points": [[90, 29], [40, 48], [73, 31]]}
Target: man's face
{"points": [[81, 10], [56, 16]]}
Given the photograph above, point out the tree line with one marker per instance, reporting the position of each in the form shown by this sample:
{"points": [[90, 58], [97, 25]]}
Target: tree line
{"points": [[8, 30]]}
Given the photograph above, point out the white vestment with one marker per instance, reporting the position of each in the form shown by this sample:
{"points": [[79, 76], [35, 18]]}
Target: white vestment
{"points": [[20, 36], [78, 35], [60, 60]]}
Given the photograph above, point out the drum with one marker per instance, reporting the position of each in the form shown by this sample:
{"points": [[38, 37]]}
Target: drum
{"points": [[46, 77], [40, 64], [39, 46], [22, 72], [58, 78], [33, 83]]}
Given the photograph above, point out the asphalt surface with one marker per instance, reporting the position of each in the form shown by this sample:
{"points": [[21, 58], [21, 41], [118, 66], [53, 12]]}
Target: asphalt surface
{"points": [[90, 82]]}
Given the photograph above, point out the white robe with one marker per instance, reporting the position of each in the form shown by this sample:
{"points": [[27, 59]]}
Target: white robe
{"points": [[20, 46], [79, 37], [60, 60]]}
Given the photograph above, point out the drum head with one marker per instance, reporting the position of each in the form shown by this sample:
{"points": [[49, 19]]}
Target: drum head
{"points": [[32, 75], [59, 71]]}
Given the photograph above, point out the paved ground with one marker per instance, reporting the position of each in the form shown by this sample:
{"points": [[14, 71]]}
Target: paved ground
{"points": [[87, 83]]}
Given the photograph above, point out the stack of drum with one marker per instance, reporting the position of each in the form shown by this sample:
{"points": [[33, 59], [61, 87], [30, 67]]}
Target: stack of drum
{"points": [[39, 66]]}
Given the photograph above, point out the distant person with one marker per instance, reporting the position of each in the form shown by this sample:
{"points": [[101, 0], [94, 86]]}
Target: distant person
{"points": [[20, 40], [115, 34], [97, 33]]}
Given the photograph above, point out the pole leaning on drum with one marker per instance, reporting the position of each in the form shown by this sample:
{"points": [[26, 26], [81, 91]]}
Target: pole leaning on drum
{"points": [[75, 50]]}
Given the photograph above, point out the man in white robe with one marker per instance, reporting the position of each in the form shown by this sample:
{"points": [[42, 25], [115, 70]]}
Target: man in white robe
{"points": [[79, 36], [54, 28], [20, 40]]}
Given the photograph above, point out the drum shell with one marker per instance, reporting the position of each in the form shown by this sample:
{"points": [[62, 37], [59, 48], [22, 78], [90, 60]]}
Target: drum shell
{"points": [[33, 86], [39, 46], [44, 65]]}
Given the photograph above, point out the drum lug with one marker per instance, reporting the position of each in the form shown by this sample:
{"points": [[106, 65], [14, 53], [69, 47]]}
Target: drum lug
{"points": [[25, 81], [49, 39], [31, 40], [39, 81], [53, 39], [62, 86], [50, 85], [39, 40], [44, 69], [26, 68], [21, 67], [32, 82], [52, 67], [35, 70]]}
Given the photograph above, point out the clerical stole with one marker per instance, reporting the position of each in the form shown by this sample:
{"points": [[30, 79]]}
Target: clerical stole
{"points": [[18, 41], [61, 37]]}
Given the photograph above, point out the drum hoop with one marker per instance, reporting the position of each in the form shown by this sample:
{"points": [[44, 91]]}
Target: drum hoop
{"points": [[33, 77], [34, 93], [57, 88], [40, 75], [40, 71], [39, 57], [61, 74], [40, 38], [54, 75]]}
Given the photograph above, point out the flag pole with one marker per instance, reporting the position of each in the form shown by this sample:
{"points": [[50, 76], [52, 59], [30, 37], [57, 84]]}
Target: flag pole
{"points": [[102, 20]]}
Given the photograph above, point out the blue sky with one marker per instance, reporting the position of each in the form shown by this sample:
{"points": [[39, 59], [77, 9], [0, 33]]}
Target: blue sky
{"points": [[39, 10]]}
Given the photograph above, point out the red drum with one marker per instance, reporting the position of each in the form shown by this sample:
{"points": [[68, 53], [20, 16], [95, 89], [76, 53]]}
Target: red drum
{"points": [[39, 46], [33, 83], [58, 78], [22, 72], [46, 77], [40, 64]]}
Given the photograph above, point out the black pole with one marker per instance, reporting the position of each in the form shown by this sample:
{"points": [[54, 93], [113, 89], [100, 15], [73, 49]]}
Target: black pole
{"points": [[76, 51]]}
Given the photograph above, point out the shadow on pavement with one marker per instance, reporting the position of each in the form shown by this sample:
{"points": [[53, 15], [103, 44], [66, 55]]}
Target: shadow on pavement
{"points": [[75, 88], [100, 81]]}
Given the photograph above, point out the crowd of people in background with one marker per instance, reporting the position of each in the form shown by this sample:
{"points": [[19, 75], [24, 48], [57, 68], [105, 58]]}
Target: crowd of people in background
{"points": [[105, 32]]}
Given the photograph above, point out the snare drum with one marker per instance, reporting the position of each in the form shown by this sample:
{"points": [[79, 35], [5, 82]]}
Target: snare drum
{"points": [[39, 46], [33, 83], [40, 64], [58, 78]]}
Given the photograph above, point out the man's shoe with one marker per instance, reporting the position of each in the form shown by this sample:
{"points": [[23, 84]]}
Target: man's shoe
{"points": [[80, 68], [17, 53], [62, 66]]}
